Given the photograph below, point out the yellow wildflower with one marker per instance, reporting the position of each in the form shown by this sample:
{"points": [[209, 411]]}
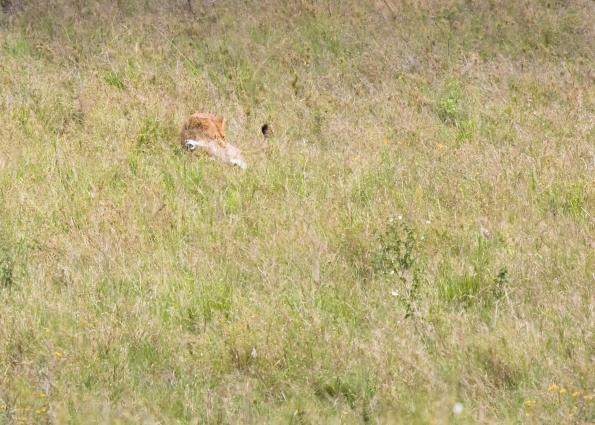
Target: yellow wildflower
{"points": [[386, 141], [575, 393], [562, 390], [440, 146], [553, 387], [529, 403], [588, 397], [57, 354]]}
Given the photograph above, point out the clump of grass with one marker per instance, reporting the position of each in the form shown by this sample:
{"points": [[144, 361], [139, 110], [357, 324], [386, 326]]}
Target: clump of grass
{"points": [[568, 198], [453, 111], [150, 134], [357, 390], [115, 79], [478, 285], [19, 46], [500, 370], [451, 108], [11, 252], [6, 269], [460, 288]]}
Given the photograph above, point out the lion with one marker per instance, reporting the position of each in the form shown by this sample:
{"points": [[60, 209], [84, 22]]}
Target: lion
{"points": [[206, 132]]}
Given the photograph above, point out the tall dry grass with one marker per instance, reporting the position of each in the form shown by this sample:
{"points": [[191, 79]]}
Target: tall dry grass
{"points": [[418, 233]]}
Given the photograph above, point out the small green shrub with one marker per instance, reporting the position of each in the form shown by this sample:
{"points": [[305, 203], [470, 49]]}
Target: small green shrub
{"points": [[453, 111], [396, 245], [396, 259], [451, 108], [500, 283]]}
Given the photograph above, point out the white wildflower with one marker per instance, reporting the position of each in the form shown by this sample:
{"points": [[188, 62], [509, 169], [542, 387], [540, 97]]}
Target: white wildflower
{"points": [[457, 409]]}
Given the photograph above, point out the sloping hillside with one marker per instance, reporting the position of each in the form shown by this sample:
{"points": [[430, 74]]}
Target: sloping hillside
{"points": [[413, 244]]}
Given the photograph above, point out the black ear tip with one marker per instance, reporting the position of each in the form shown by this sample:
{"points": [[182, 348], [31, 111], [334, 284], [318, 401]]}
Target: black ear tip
{"points": [[266, 130]]}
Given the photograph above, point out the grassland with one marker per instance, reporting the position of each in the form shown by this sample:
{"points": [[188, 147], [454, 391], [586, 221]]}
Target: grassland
{"points": [[419, 231]]}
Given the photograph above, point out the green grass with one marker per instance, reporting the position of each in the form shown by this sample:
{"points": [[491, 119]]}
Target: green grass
{"points": [[418, 233]]}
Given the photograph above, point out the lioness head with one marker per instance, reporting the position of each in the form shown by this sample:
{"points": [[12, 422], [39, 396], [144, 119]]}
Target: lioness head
{"points": [[205, 133], [202, 126]]}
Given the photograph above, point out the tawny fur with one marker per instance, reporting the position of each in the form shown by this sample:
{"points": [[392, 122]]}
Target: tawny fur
{"points": [[205, 133]]}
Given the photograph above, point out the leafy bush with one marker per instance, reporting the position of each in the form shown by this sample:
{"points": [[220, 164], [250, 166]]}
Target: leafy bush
{"points": [[396, 260]]}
